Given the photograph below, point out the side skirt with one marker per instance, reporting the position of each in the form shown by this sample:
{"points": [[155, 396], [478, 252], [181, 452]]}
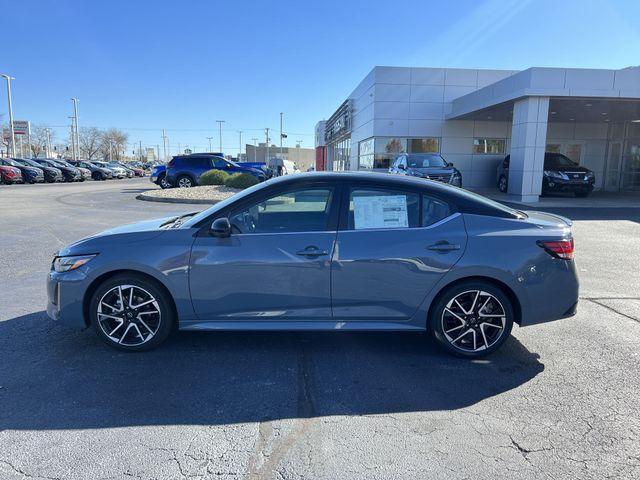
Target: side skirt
{"points": [[301, 326]]}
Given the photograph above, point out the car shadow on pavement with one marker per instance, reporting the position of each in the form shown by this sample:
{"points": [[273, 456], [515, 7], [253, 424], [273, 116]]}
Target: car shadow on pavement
{"points": [[55, 378]]}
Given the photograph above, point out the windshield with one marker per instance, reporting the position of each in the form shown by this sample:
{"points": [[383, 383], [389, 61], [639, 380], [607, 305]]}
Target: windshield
{"points": [[555, 160], [425, 161], [13, 163]]}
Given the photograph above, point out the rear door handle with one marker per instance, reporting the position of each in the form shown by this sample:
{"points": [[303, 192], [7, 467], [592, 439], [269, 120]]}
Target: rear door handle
{"points": [[312, 251], [443, 247]]}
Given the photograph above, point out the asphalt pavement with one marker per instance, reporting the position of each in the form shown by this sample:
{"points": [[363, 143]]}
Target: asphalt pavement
{"points": [[559, 400]]}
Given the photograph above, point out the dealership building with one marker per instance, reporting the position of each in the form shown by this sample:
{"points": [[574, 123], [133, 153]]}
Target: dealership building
{"points": [[475, 117]]}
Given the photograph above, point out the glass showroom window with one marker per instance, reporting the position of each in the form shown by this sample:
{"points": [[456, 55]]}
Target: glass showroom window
{"points": [[341, 151], [424, 145], [365, 154], [489, 146], [386, 150]]}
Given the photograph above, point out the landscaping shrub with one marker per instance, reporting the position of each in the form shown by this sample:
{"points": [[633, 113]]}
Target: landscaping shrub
{"points": [[241, 180], [213, 177]]}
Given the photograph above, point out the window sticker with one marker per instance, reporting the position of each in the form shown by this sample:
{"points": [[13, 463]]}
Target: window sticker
{"points": [[380, 211]]}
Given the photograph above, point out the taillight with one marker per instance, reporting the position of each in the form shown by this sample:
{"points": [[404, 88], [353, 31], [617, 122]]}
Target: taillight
{"points": [[558, 248], [170, 164]]}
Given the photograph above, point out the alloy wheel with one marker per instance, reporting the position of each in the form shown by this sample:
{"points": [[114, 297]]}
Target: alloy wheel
{"points": [[184, 182], [164, 183], [129, 315], [503, 184], [473, 321]]}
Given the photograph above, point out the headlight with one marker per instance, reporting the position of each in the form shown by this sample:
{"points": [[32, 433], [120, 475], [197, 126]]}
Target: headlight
{"points": [[552, 174], [66, 264]]}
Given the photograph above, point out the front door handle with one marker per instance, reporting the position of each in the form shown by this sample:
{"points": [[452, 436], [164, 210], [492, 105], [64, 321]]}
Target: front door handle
{"points": [[443, 247], [312, 251]]}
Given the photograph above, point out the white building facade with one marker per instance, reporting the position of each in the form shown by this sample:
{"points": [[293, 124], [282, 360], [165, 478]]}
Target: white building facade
{"points": [[475, 117]]}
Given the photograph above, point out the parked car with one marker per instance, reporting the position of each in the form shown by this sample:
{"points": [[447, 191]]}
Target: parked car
{"points": [[117, 172], [128, 172], [10, 175], [427, 165], [560, 174], [29, 174], [324, 251], [137, 168], [70, 174], [159, 176], [85, 172], [51, 174], [97, 173], [184, 170]]}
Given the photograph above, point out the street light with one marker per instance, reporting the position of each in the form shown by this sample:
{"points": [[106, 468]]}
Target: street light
{"points": [[13, 136], [240, 150], [220, 122], [76, 137], [210, 149]]}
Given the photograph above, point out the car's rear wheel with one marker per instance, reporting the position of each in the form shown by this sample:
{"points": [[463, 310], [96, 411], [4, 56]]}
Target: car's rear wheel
{"points": [[472, 319], [502, 184], [131, 312], [184, 181]]}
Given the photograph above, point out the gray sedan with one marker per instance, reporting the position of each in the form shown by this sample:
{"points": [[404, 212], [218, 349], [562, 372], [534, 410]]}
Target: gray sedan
{"points": [[324, 251]]}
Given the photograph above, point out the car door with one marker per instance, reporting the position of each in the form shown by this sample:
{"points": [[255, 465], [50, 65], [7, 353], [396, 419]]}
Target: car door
{"points": [[392, 248], [275, 265]]}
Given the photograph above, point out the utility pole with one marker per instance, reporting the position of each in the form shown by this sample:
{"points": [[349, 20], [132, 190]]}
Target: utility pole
{"points": [[48, 142], [76, 138], [255, 149], [220, 122], [240, 150], [140, 148], [73, 142], [164, 146], [281, 115], [210, 149], [266, 158], [13, 135]]}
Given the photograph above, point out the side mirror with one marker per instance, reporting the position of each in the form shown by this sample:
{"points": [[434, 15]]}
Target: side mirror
{"points": [[221, 227], [449, 164], [401, 166]]}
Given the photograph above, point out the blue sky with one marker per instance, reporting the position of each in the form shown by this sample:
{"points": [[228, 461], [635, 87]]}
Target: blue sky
{"points": [[182, 65]]}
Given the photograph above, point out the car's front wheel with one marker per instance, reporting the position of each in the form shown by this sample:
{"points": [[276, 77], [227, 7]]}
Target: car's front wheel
{"points": [[472, 319], [162, 181], [131, 312]]}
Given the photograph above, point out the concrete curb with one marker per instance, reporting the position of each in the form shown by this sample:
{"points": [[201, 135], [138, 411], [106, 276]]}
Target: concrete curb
{"points": [[193, 201]]}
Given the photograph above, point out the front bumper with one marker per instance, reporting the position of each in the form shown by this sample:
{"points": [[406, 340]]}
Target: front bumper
{"points": [[65, 295], [562, 185]]}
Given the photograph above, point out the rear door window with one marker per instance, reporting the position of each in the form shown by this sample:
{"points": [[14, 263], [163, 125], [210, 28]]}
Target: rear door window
{"points": [[374, 208]]}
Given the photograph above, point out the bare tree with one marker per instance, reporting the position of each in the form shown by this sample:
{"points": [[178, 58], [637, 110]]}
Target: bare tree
{"points": [[40, 136], [114, 143], [90, 142]]}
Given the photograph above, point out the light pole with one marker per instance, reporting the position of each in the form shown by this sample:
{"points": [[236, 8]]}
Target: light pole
{"points": [[164, 146], [76, 138], [266, 157], [240, 150], [210, 149], [73, 140], [48, 142], [255, 149], [220, 122], [13, 135], [281, 115]]}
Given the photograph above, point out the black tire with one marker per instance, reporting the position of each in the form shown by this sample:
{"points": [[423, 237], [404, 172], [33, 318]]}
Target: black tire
{"points": [[141, 283], [185, 181], [472, 322], [582, 193], [503, 184], [162, 181]]}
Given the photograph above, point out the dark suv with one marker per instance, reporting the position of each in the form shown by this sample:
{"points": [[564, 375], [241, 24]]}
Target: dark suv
{"points": [[184, 170], [427, 165], [561, 174]]}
